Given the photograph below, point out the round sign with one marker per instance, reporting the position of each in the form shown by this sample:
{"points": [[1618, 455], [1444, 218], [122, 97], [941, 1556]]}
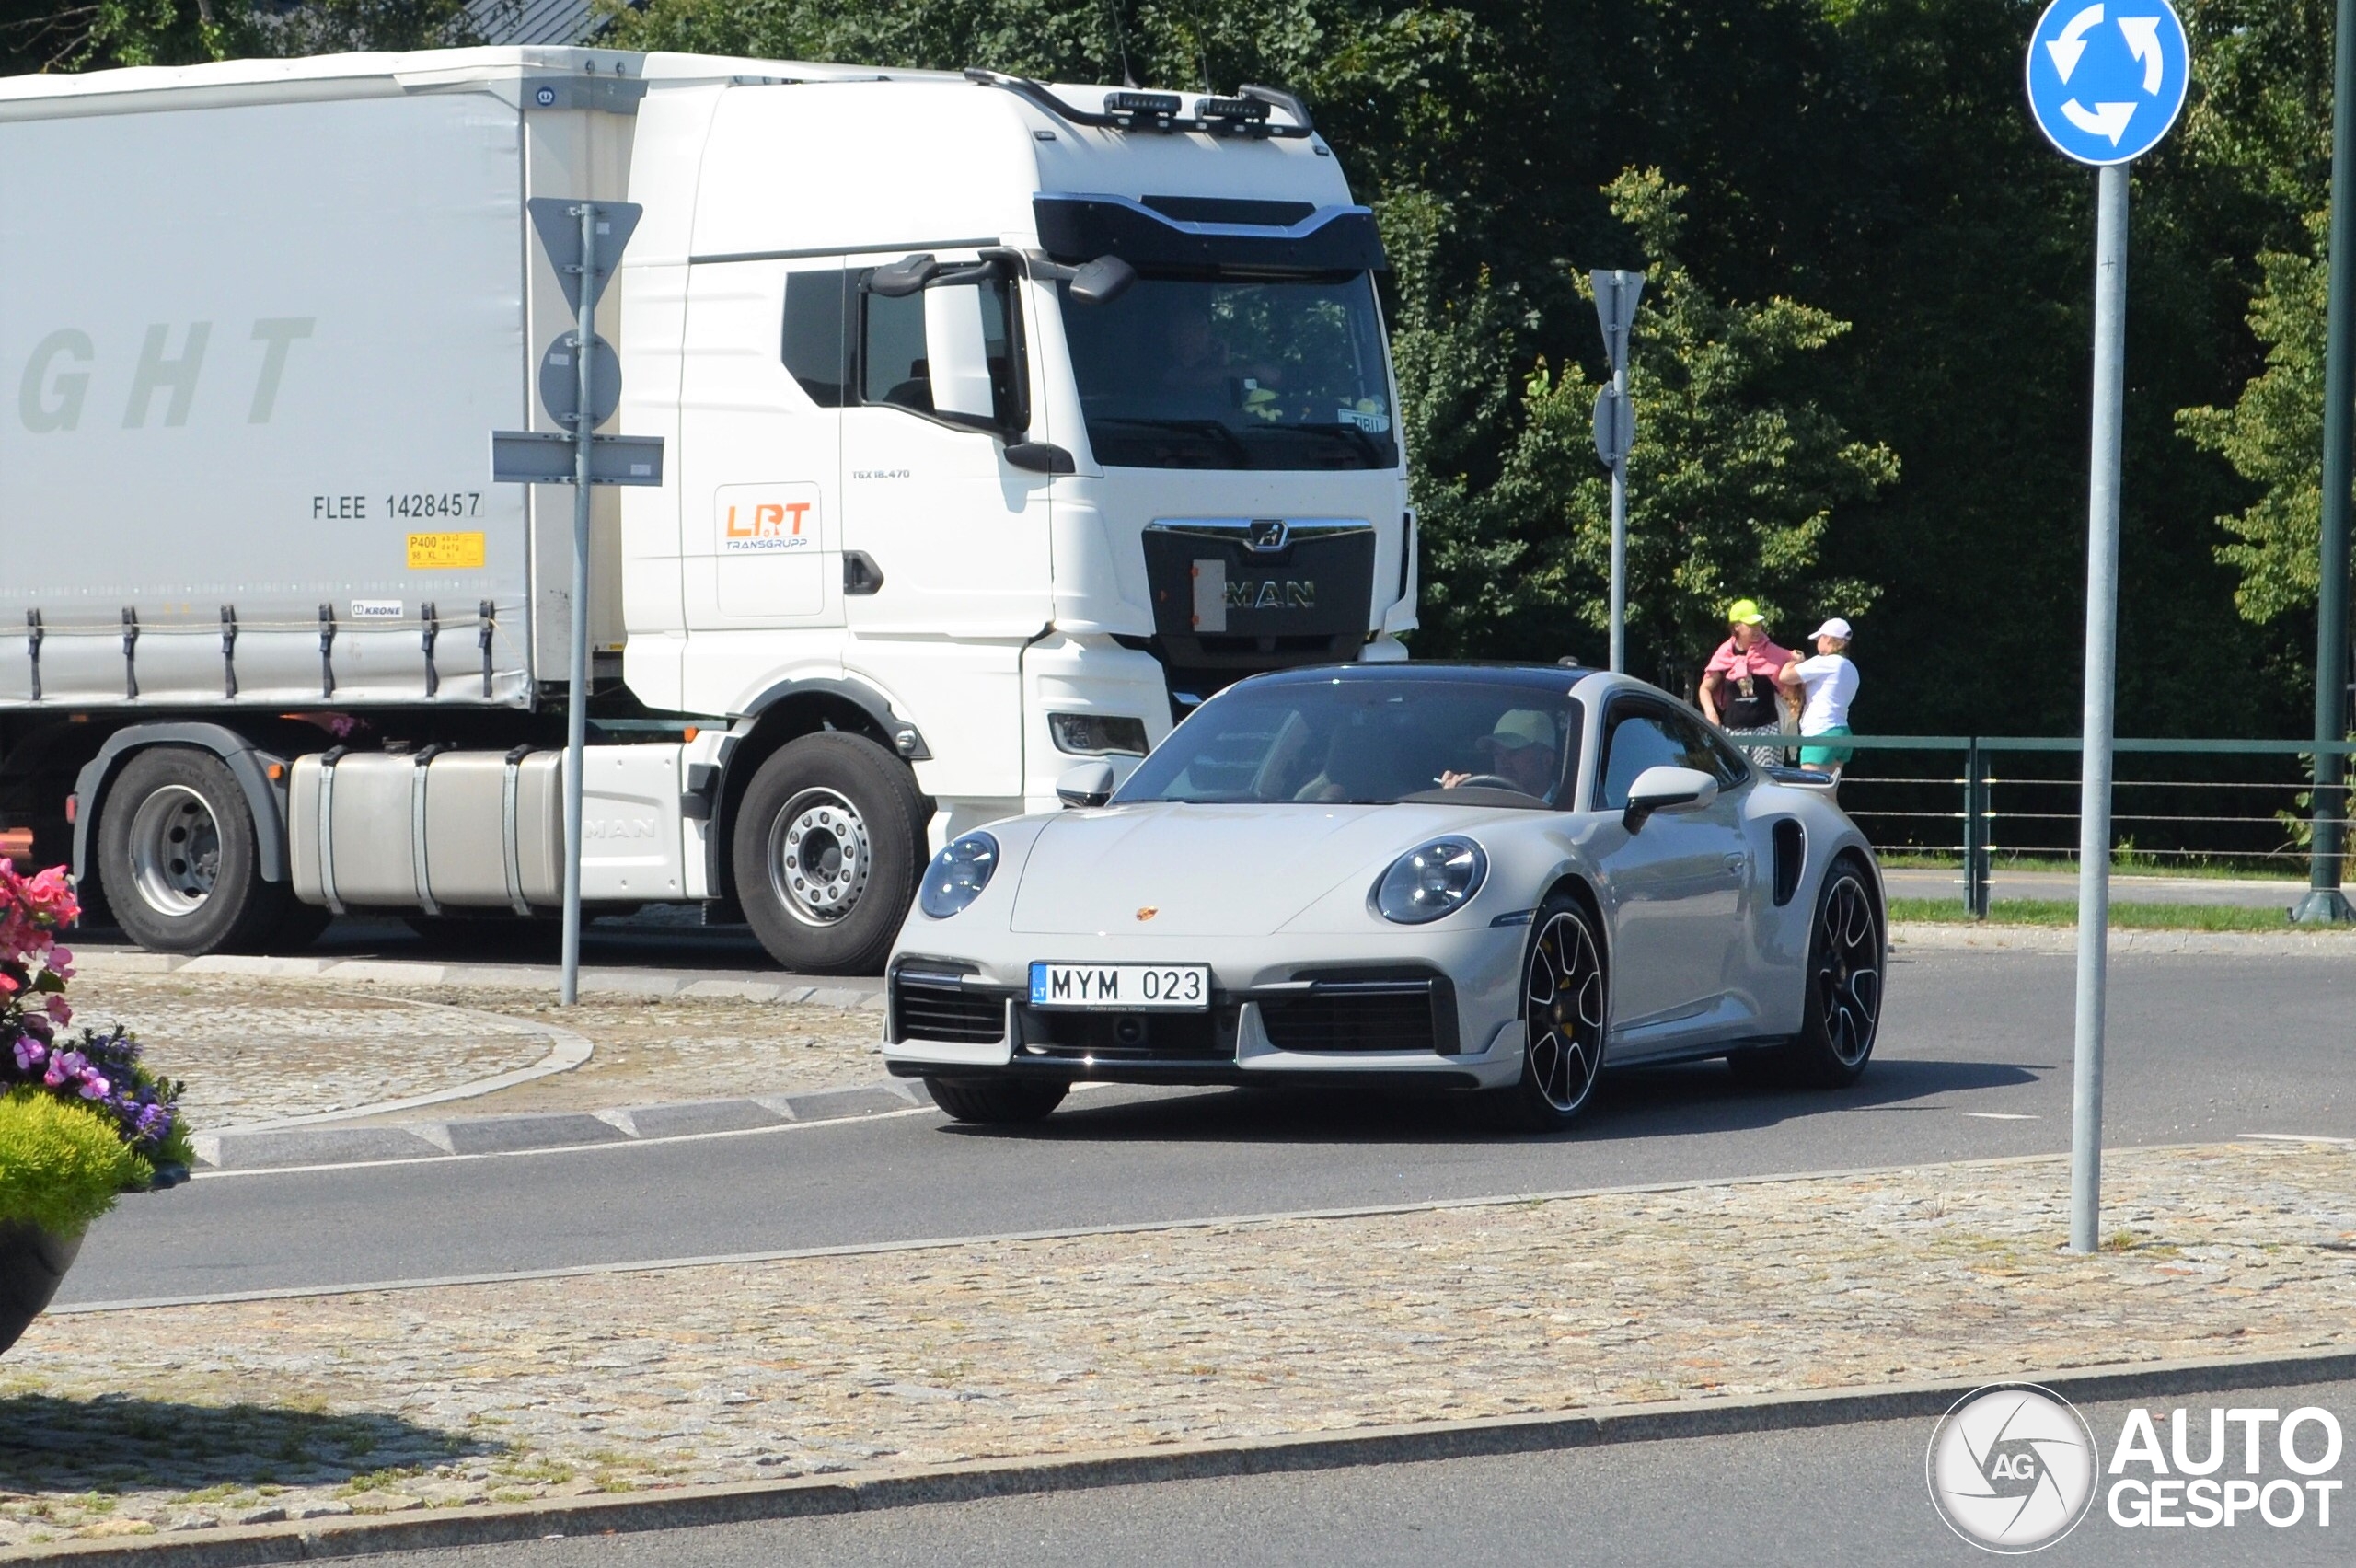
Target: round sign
{"points": [[2108, 77], [2013, 1467], [560, 380]]}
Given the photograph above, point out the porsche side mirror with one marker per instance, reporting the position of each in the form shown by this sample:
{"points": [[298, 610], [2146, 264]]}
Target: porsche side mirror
{"points": [[1102, 281], [1666, 789], [1090, 784]]}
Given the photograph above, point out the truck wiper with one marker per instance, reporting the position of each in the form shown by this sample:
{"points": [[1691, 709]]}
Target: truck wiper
{"points": [[1219, 434]]}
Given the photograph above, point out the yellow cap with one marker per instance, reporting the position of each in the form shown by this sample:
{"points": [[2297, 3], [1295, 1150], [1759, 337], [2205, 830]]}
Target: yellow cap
{"points": [[1745, 612]]}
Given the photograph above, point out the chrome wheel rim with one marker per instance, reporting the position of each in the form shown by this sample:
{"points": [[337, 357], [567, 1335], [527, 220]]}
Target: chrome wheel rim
{"points": [[1847, 969], [1564, 1012], [820, 857], [175, 851]]}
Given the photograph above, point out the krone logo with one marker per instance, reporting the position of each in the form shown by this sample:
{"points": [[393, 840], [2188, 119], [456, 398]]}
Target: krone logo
{"points": [[2012, 1468]]}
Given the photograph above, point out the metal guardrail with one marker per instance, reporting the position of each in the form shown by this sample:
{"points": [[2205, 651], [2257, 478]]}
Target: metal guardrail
{"points": [[2228, 830]]}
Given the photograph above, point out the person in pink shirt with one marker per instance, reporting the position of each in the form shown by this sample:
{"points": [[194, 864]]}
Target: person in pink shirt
{"points": [[1738, 689]]}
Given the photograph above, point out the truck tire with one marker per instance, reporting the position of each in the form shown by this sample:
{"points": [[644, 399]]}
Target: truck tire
{"points": [[177, 855], [827, 846]]}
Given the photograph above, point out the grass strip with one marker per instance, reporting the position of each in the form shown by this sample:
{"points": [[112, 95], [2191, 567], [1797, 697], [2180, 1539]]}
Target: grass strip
{"points": [[2123, 916]]}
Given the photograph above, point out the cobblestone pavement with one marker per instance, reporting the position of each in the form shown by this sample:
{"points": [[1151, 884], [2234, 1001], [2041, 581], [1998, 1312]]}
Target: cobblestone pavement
{"points": [[254, 1052], [260, 1050], [184, 1418], [659, 1049]]}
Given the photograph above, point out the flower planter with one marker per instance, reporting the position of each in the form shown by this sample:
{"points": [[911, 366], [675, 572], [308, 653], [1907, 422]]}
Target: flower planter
{"points": [[32, 1265]]}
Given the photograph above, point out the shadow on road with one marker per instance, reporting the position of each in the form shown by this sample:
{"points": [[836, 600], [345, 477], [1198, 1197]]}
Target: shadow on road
{"points": [[49, 1445], [1697, 1098]]}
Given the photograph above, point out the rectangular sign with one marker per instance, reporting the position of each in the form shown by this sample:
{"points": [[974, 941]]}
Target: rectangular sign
{"points": [[1122, 988], [541, 458]]}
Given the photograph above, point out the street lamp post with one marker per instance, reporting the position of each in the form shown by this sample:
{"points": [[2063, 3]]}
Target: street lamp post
{"points": [[2325, 904]]}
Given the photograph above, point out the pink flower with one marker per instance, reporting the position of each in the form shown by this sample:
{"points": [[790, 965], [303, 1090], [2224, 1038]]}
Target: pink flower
{"points": [[95, 1088], [31, 1054], [59, 1012], [9, 985]]}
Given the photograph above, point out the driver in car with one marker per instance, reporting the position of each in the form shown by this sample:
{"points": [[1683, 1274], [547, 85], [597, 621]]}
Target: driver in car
{"points": [[1520, 748]]}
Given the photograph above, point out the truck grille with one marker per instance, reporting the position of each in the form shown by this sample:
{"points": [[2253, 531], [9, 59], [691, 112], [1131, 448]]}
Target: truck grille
{"points": [[1357, 1015], [927, 1007]]}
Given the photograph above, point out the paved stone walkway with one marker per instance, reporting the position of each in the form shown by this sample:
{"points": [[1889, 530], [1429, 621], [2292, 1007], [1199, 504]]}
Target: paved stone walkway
{"points": [[255, 1050], [186, 1418], [253, 1053]]}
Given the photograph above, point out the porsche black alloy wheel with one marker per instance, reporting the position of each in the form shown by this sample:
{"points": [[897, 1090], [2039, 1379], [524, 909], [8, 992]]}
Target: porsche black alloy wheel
{"points": [[1841, 1010], [1564, 1009]]}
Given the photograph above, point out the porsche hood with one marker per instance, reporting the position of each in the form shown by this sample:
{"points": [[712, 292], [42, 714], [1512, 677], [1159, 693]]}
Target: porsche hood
{"points": [[1214, 871]]}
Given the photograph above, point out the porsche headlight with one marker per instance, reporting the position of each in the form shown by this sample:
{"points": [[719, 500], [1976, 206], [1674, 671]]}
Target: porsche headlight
{"points": [[958, 875], [1430, 880]]}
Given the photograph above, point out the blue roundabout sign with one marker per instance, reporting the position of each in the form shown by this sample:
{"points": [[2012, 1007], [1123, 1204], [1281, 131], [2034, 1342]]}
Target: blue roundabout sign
{"points": [[2107, 77]]}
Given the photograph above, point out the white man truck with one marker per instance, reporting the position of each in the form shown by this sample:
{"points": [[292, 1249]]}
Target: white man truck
{"points": [[1002, 422]]}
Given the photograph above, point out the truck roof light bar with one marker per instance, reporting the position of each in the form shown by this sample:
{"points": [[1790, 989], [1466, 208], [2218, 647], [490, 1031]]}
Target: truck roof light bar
{"points": [[1160, 111]]}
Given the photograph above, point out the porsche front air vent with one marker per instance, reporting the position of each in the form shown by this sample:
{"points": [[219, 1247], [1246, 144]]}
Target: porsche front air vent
{"points": [[935, 1006], [1386, 1014]]}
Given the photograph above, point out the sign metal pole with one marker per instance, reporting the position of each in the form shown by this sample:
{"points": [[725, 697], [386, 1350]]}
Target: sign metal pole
{"points": [[576, 711], [2101, 684], [1616, 292], [2106, 83]]}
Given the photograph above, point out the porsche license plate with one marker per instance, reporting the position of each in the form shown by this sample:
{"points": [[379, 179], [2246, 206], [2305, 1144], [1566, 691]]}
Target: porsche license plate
{"points": [[1122, 988]]}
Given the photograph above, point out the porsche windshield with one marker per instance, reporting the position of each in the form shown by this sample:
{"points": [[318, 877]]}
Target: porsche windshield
{"points": [[1226, 373], [1368, 742]]}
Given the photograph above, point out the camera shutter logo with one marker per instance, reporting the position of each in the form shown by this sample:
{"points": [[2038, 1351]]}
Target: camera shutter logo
{"points": [[2012, 1468]]}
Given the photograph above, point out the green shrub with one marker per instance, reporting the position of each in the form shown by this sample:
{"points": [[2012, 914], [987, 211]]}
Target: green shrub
{"points": [[61, 1164]]}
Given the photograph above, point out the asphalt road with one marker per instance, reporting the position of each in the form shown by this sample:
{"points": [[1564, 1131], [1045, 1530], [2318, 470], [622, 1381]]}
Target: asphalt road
{"points": [[1973, 1062], [1835, 1496]]}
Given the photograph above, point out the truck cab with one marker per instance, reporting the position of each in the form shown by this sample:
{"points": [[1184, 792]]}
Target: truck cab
{"points": [[1032, 413]]}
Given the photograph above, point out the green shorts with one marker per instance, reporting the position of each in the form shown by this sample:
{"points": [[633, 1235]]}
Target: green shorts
{"points": [[1827, 756]]}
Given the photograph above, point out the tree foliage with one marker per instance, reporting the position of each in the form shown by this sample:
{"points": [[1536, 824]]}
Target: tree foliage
{"points": [[1858, 162]]}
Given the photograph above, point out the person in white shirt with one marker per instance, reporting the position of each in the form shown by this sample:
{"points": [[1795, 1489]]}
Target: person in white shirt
{"points": [[1829, 682]]}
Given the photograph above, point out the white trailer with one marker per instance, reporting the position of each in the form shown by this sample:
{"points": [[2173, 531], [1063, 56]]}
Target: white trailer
{"points": [[1003, 421]]}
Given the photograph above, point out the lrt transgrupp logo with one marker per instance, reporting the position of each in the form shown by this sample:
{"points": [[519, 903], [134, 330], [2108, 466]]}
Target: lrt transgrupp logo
{"points": [[2012, 1468]]}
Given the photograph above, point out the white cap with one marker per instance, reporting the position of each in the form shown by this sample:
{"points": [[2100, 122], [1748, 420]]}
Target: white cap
{"points": [[1836, 627]]}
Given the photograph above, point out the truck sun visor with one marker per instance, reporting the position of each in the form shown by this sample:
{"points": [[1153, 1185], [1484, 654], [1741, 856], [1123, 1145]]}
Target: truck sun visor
{"points": [[1331, 239]]}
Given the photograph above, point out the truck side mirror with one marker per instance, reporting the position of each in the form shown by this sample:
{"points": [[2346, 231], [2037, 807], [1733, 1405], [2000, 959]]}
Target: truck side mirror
{"points": [[1102, 281], [904, 277], [957, 354]]}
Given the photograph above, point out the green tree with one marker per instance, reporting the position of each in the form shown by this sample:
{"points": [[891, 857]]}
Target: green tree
{"points": [[105, 33], [1733, 482], [2273, 437]]}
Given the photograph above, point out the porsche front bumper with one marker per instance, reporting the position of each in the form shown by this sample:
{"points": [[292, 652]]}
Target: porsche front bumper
{"points": [[1441, 1010]]}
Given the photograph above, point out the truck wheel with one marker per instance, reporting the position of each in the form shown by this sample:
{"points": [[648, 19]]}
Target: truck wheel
{"points": [[178, 856], [829, 845]]}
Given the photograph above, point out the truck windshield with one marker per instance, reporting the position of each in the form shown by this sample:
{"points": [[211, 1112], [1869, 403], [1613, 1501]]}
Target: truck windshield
{"points": [[1223, 373]]}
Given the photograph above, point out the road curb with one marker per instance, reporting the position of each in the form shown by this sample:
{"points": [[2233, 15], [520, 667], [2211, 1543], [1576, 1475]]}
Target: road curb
{"points": [[813, 990], [688, 1507]]}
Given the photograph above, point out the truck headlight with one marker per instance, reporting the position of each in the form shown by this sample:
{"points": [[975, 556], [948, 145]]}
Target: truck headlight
{"points": [[1097, 734], [1430, 880], [958, 875]]}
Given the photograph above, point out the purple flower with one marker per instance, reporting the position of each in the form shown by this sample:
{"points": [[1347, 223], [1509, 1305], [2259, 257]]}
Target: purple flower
{"points": [[31, 1054]]}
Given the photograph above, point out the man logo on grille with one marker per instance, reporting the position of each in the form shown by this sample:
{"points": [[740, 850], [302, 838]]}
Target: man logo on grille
{"points": [[1268, 535], [2012, 1468]]}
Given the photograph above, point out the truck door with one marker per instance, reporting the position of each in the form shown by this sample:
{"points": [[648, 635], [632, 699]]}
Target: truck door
{"points": [[760, 472], [957, 535]]}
